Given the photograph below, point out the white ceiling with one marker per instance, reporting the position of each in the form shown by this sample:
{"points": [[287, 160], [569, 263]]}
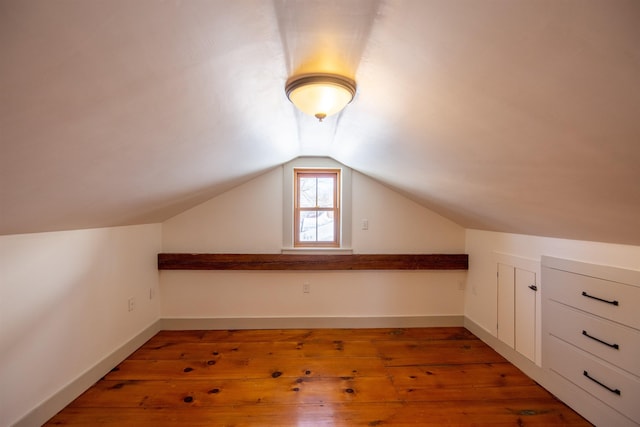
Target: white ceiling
{"points": [[518, 116]]}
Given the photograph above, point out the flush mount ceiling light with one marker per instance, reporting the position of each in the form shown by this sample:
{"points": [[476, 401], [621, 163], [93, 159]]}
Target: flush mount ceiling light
{"points": [[320, 95]]}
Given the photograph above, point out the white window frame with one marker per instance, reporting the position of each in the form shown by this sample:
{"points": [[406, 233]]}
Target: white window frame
{"points": [[288, 204]]}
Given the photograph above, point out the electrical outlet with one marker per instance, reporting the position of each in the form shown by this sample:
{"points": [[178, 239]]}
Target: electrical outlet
{"points": [[306, 288], [132, 304], [365, 224]]}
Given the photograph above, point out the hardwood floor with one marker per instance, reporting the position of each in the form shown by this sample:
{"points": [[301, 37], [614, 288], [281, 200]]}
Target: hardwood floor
{"points": [[323, 377]]}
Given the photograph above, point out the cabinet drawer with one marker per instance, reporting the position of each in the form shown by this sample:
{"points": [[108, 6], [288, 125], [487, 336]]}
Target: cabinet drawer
{"points": [[615, 388], [616, 344], [611, 300]]}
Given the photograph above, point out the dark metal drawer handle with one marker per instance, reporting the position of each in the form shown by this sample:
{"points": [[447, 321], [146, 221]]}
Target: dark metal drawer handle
{"points": [[586, 334], [533, 288], [612, 390], [584, 294]]}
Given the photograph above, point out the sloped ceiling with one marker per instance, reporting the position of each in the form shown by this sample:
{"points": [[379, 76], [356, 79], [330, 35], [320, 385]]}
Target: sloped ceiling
{"points": [[517, 116]]}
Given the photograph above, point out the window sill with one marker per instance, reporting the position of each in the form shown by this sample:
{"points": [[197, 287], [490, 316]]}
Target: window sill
{"points": [[317, 251]]}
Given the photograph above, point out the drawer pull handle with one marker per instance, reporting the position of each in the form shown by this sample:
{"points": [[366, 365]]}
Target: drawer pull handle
{"points": [[586, 334], [533, 287], [612, 390], [584, 294]]}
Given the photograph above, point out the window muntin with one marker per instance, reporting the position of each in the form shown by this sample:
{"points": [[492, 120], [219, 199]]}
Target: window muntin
{"points": [[317, 208]]}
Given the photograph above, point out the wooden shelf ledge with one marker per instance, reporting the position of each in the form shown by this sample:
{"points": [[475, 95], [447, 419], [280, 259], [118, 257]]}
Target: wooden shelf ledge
{"points": [[182, 261]]}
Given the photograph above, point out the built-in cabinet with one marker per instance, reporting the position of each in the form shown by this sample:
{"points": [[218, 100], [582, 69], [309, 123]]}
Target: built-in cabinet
{"points": [[517, 281], [525, 312], [591, 339], [506, 304]]}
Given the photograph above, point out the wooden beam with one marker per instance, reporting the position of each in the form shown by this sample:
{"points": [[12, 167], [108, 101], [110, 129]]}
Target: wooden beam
{"points": [[182, 261]]}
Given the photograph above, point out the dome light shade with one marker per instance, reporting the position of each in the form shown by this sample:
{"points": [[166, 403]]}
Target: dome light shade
{"points": [[320, 95]]}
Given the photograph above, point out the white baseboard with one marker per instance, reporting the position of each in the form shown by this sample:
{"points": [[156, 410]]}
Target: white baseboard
{"points": [[75, 388], [47, 409], [57, 402], [532, 370], [311, 322]]}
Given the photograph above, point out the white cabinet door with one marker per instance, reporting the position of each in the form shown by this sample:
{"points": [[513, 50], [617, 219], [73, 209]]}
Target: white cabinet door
{"points": [[506, 304], [517, 309], [525, 312]]}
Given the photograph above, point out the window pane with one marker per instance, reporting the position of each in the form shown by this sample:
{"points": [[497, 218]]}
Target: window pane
{"points": [[308, 232], [316, 204], [325, 192], [325, 227], [308, 192]]}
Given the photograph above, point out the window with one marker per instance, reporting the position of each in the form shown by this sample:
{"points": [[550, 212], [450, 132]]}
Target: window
{"points": [[316, 207], [343, 197]]}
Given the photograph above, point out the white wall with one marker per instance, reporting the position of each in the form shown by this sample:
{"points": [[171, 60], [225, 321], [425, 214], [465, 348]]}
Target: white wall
{"points": [[248, 219], [64, 306], [481, 296], [397, 224], [63, 295]]}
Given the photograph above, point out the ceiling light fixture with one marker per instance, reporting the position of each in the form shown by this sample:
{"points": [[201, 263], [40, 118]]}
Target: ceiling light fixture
{"points": [[320, 95]]}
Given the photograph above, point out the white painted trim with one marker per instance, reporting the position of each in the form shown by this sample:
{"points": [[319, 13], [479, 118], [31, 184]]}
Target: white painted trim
{"points": [[43, 412], [318, 251], [521, 362], [607, 272], [54, 404], [311, 322], [47, 409], [287, 197], [529, 264]]}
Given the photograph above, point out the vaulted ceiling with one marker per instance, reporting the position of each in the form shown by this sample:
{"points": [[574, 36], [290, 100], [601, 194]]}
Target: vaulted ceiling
{"points": [[516, 116]]}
